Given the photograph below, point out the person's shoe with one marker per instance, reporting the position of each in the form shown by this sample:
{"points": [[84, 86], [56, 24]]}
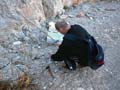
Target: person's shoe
{"points": [[56, 59], [53, 58], [70, 64]]}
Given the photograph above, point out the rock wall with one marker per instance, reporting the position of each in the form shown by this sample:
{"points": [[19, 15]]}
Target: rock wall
{"points": [[12, 11], [19, 11], [23, 46], [15, 31]]}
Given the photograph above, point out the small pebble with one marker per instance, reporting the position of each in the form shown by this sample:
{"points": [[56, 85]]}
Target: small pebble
{"points": [[44, 87]]}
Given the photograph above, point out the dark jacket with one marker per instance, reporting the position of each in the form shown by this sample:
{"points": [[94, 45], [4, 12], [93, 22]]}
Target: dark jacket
{"points": [[71, 48]]}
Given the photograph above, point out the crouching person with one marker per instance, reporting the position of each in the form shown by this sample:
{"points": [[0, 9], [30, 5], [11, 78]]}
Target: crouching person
{"points": [[73, 49]]}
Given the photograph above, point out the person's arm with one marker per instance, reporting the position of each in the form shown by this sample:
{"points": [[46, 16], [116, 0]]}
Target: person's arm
{"points": [[62, 51]]}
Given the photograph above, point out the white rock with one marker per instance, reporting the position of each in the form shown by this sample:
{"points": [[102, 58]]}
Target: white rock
{"points": [[71, 16], [63, 16], [91, 18], [39, 47], [80, 88], [55, 38], [53, 35], [52, 27], [17, 43], [44, 87]]}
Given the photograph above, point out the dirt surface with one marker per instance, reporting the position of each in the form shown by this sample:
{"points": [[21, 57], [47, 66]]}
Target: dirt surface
{"points": [[102, 20]]}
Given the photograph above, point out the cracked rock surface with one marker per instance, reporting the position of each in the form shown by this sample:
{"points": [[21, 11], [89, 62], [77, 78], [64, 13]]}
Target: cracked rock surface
{"points": [[28, 47]]}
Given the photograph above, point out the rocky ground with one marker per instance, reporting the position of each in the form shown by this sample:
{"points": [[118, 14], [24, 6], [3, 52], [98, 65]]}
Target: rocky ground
{"points": [[26, 50]]}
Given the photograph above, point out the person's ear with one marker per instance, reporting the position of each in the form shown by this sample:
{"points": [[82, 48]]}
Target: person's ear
{"points": [[60, 30]]}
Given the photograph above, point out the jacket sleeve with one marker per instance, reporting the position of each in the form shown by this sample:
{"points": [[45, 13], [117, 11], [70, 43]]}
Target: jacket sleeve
{"points": [[63, 50]]}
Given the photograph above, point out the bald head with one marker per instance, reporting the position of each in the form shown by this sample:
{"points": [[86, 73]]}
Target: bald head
{"points": [[62, 26]]}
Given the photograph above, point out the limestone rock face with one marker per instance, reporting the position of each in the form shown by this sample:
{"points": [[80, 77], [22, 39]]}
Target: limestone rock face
{"points": [[17, 10], [12, 11], [34, 10], [51, 7]]}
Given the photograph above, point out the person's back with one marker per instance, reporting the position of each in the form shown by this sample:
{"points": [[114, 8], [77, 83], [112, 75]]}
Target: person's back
{"points": [[78, 31], [77, 47], [72, 47]]}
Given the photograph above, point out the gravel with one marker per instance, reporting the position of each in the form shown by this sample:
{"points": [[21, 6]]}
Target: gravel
{"points": [[29, 47]]}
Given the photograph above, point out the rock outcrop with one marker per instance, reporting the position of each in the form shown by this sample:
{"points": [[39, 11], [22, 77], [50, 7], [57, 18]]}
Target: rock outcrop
{"points": [[12, 11], [15, 17], [23, 48]]}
